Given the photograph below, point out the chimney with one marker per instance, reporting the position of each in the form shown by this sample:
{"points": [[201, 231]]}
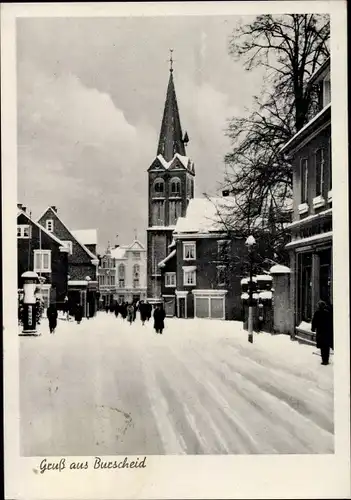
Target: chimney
{"points": [[54, 208], [225, 192], [117, 245], [24, 208], [19, 206]]}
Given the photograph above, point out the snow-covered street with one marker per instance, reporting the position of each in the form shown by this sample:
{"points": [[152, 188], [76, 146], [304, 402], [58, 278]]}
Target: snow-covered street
{"points": [[104, 388]]}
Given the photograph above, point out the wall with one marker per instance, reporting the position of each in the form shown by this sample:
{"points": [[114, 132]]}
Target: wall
{"points": [[59, 263], [308, 151], [79, 263]]}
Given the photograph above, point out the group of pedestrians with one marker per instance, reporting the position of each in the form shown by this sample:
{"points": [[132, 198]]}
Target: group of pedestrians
{"points": [[52, 315], [129, 311]]}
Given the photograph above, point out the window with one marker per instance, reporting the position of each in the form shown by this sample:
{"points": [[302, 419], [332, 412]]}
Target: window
{"points": [[136, 283], [189, 276], [319, 172], [330, 166], [42, 261], [170, 279], [50, 225], [136, 255], [221, 275], [159, 187], [175, 187], [175, 211], [304, 180], [189, 251], [158, 213], [223, 249], [102, 279], [23, 231], [136, 270], [305, 286], [121, 275], [68, 244]]}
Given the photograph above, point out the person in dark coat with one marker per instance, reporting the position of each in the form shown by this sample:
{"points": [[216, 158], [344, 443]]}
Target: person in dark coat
{"points": [[123, 309], [78, 313], [322, 324], [52, 317], [136, 307], [148, 310], [116, 309], [159, 316], [130, 312], [143, 311]]}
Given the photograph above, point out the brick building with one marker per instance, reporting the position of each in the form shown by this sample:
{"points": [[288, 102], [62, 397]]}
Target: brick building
{"points": [[309, 151], [170, 187], [82, 263], [41, 251], [202, 273]]}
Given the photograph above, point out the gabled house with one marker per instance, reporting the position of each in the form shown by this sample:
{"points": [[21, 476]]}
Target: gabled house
{"points": [[130, 272], [41, 251], [310, 248], [202, 272], [82, 263]]}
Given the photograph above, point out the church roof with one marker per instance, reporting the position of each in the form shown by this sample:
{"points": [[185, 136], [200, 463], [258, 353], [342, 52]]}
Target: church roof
{"points": [[171, 137]]}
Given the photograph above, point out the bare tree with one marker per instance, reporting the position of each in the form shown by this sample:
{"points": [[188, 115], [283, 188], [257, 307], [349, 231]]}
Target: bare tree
{"points": [[290, 48]]}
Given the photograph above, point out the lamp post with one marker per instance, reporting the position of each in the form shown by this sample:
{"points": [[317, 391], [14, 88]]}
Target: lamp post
{"points": [[250, 243]]}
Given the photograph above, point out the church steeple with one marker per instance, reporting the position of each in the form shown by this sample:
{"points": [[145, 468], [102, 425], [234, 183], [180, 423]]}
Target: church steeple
{"points": [[171, 137]]}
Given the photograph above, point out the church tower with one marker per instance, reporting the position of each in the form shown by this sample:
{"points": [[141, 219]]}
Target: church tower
{"points": [[171, 185]]}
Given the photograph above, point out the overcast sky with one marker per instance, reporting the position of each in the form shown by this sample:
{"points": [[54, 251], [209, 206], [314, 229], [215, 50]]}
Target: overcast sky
{"points": [[90, 101]]}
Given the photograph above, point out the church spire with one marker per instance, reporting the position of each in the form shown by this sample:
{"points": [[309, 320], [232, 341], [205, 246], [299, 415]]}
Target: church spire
{"points": [[171, 137]]}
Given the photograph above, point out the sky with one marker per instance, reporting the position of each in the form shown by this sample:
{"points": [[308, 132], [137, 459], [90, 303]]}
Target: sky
{"points": [[91, 93]]}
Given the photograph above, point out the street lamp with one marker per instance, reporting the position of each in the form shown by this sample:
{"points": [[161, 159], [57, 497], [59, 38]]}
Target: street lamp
{"points": [[250, 243]]}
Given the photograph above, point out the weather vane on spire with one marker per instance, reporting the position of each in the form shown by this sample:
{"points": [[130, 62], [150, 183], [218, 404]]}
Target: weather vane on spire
{"points": [[171, 60]]}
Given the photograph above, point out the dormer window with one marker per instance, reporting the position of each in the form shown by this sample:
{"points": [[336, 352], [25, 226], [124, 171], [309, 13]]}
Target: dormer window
{"points": [[159, 187], [175, 187], [50, 225]]}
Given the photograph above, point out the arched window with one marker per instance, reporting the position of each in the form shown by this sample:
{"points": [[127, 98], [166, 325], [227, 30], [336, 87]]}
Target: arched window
{"points": [[121, 275], [159, 187], [175, 187]]}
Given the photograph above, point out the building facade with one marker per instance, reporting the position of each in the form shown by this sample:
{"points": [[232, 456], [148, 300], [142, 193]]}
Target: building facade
{"points": [[170, 187], [122, 274], [42, 252], [310, 248], [82, 263], [201, 276]]}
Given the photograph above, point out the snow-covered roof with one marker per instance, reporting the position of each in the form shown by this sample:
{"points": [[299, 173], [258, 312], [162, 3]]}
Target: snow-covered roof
{"points": [[119, 252], [324, 68], [206, 215], [91, 255], [184, 160], [85, 236], [304, 128], [310, 239], [42, 228], [169, 256]]}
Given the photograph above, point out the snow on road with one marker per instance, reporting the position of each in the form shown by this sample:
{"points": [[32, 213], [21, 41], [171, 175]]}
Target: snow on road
{"points": [[104, 387]]}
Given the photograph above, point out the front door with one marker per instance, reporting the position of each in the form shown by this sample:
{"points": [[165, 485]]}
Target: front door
{"points": [[181, 308]]}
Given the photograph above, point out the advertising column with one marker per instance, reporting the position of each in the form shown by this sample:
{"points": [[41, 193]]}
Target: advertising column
{"points": [[30, 283]]}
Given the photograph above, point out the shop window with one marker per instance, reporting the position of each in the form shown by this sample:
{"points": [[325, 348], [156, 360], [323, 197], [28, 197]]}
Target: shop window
{"points": [[325, 275], [305, 286]]}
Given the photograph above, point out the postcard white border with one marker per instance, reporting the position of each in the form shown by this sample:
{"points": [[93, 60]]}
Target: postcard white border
{"points": [[264, 476]]}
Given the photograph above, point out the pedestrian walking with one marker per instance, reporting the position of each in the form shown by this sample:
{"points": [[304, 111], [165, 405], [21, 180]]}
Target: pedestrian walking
{"points": [[159, 317], [123, 309], [135, 308], [66, 307], [148, 310], [130, 313], [78, 313], [52, 317], [143, 312], [116, 309], [322, 324], [106, 308]]}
